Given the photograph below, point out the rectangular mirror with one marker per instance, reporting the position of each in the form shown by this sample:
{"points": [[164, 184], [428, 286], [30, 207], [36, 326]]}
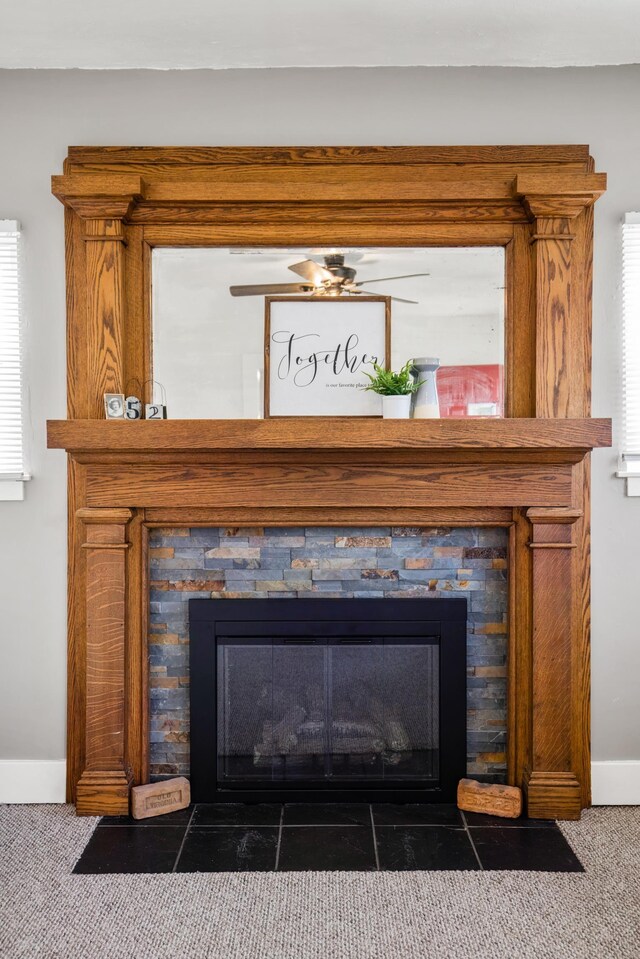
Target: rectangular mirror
{"points": [[208, 315]]}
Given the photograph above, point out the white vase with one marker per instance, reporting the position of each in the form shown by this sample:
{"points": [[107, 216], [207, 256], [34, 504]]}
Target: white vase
{"points": [[396, 407]]}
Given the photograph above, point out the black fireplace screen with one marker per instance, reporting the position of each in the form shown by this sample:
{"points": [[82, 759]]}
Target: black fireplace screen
{"points": [[307, 698]]}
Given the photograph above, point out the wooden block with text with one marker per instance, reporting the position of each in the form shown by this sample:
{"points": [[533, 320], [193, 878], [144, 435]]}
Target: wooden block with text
{"points": [[157, 799], [489, 798]]}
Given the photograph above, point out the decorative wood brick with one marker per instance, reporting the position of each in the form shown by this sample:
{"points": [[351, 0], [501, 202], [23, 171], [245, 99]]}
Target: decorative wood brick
{"points": [[158, 799], [490, 799]]}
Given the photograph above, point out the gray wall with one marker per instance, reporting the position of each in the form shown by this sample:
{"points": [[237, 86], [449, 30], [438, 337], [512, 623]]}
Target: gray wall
{"points": [[42, 112]]}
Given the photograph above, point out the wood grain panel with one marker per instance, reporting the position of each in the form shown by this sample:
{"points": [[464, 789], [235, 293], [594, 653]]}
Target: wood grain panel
{"points": [[76, 631], [519, 667], [329, 434], [153, 157], [375, 184], [136, 657], [105, 309], [552, 758], [553, 299], [329, 486], [333, 516], [105, 601], [381, 231]]}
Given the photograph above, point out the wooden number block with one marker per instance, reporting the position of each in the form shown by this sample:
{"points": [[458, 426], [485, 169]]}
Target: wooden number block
{"points": [[156, 799], [490, 799]]}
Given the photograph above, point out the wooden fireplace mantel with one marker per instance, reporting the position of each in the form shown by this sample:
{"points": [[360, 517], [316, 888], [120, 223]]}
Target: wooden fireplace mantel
{"points": [[528, 472], [571, 436]]}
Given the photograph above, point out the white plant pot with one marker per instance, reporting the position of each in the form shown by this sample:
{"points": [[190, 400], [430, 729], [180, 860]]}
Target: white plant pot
{"points": [[396, 407]]}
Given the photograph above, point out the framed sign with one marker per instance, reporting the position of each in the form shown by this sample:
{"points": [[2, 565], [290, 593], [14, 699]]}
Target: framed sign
{"points": [[316, 353]]}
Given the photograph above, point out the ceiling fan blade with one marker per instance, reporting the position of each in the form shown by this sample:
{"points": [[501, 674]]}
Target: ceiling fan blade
{"points": [[398, 299], [312, 271], [264, 289], [383, 279]]}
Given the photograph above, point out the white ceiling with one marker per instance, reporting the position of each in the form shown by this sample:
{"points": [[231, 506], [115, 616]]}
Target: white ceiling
{"points": [[220, 34]]}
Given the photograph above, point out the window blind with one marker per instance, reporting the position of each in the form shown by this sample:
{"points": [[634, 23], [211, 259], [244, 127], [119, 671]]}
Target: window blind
{"points": [[11, 430]]}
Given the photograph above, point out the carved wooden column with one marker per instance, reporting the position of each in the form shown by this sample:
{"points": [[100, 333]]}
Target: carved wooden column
{"points": [[552, 786], [562, 325], [102, 210], [105, 780], [561, 237]]}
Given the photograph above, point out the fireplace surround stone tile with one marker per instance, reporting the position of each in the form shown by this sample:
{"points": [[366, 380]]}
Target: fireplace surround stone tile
{"points": [[338, 562]]}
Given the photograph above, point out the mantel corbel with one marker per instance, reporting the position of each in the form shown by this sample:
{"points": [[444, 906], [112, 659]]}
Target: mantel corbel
{"points": [[99, 197], [561, 195]]}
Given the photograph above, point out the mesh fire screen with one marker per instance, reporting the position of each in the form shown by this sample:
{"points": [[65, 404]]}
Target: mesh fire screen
{"points": [[343, 710]]}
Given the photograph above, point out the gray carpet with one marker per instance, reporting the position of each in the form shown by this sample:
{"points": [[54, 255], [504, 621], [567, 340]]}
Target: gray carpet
{"points": [[47, 912]]}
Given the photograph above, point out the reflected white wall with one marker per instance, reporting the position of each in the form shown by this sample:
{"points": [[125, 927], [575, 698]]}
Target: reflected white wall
{"points": [[208, 346]]}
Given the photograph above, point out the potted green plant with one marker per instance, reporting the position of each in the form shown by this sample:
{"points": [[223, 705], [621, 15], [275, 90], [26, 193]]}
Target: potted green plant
{"points": [[396, 390]]}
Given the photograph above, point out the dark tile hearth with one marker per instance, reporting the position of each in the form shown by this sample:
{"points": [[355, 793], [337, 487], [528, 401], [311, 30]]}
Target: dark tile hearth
{"points": [[229, 849], [425, 847], [237, 814], [542, 850], [416, 814], [326, 814], [327, 848], [131, 849], [264, 837]]}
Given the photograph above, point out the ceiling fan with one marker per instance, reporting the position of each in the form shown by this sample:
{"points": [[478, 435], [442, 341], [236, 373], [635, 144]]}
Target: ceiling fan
{"points": [[332, 279]]}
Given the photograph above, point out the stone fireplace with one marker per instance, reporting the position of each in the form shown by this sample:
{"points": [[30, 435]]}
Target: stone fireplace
{"points": [[329, 562], [516, 487]]}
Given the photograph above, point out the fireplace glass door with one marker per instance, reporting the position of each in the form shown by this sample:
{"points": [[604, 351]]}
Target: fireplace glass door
{"points": [[339, 710], [323, 698]]}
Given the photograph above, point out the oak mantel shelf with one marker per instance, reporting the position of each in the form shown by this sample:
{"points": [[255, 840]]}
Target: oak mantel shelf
{"points": [[167, 436]]}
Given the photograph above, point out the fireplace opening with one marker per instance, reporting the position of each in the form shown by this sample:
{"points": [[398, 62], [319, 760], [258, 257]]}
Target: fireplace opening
{"points": [[322, 699]]}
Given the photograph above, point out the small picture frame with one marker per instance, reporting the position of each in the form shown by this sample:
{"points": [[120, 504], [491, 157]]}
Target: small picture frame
{"points": [[318, 351], [114, 406]]}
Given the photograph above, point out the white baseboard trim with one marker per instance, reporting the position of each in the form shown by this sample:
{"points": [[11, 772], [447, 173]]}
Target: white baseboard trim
{"points": [[32, 781], [615, 783], [44, 781]]}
